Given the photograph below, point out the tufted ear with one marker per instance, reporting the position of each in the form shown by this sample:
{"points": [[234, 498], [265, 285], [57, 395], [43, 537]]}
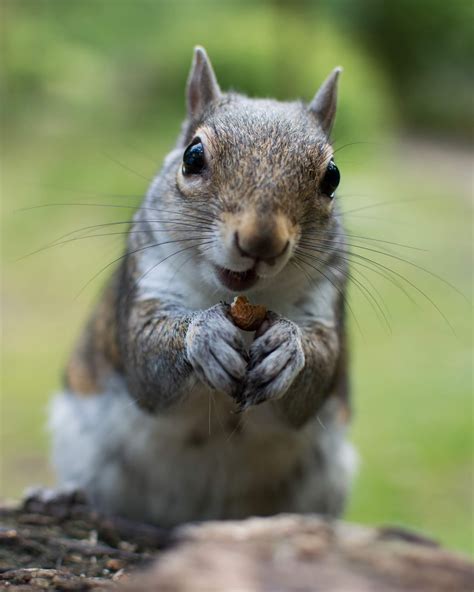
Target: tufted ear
{"points": [[202, 87], [323, 106]]}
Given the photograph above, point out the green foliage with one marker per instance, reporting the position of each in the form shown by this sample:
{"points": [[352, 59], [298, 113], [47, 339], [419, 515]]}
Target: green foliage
{"points": [[425, 47], [131, 60]]}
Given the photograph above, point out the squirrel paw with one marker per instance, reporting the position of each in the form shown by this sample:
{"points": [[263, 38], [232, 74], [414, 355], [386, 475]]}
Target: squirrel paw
{"points": [[276, 359], [216, 351], [60, 502]]}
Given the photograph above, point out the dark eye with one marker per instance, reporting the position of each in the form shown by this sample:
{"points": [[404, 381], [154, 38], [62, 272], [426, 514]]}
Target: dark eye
{"points": [[331, 179], [193, 158]]}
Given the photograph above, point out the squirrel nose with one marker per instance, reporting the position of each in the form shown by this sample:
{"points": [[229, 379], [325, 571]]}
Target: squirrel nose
{"points": [[265, 246]]}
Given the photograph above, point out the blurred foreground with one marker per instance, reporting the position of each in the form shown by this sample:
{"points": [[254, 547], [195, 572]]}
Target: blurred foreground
{"points": [[101, 553]]}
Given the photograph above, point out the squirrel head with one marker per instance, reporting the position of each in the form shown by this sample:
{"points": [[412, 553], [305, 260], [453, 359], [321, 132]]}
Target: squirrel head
{"points": [[258, 173]]}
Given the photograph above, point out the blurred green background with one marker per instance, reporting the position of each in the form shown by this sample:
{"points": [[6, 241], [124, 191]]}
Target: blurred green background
{"points": [[92, 101]]}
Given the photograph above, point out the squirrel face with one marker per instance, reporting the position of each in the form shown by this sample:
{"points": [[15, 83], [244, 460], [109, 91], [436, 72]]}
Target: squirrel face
{"points": [[260, 169]]}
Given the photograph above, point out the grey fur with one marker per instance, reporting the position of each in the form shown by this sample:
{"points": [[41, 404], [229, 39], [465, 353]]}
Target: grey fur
{"points": [[276, 358], [324, 103], [202, 86], [161, 351], [216, 350]]}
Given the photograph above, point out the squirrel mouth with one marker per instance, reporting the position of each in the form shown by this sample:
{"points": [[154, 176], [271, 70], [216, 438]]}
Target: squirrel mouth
{"points": [[237, 281]]}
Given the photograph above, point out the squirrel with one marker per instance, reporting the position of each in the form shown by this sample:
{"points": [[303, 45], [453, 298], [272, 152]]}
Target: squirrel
{"points": [[170, 413]]}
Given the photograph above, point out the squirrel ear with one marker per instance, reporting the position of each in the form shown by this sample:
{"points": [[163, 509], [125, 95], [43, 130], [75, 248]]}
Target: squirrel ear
{"points": [[202, 86], [323, 106]]}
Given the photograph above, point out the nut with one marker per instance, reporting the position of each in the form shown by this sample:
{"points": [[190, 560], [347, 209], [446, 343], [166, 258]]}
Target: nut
{"points": [[246, 316]]}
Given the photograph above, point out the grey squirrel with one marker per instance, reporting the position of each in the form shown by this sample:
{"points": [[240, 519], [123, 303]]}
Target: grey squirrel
{"points": [[148, 424]]}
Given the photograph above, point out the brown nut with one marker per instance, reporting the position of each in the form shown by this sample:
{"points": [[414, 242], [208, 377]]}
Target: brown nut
{"points": [[246, 316]]}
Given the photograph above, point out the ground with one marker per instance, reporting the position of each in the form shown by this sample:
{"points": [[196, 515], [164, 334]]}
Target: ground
{"points": [[69, 547]]}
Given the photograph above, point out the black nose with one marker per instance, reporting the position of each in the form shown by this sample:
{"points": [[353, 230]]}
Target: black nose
{"points": [[264, 247]]}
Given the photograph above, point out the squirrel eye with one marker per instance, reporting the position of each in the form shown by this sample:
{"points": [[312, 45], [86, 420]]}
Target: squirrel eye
{"points": [[331, 179], [193, 158]]}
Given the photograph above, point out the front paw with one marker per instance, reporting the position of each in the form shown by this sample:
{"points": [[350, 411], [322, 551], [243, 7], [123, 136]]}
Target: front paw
{"points": [[63, 502], [216, 351], [276, 359]]}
